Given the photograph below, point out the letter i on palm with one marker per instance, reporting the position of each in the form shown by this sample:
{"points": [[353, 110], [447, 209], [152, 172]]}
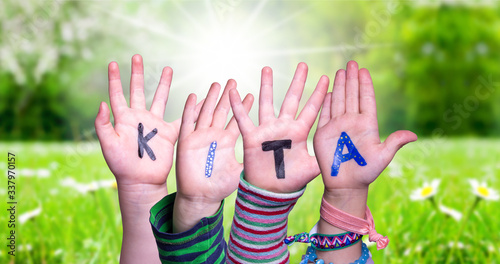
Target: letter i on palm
{"points": [[206, 166]]}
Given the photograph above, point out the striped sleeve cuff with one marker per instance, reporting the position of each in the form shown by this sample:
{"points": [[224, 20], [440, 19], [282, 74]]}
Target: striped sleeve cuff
{"points": [[260, 225], [204, 243]]}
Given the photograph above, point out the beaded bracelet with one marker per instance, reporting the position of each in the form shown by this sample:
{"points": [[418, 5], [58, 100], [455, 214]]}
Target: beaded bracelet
{"points": [[311, 256]]}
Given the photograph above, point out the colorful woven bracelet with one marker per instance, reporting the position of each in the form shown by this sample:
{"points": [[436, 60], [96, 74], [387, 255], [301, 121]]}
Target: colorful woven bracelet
{"points": [[334, 242], [325, 242]]}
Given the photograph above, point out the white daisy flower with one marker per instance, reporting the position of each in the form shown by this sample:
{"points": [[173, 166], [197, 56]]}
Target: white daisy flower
{"points": [[23, 218], [26, 247], [107, 183], [89, 187], [101, 184], [457, 244], [43, 173], [54, 165], [54, 192], [481, 190], [450, 212], [426, 191], [418, 248], [395, 170], [27, 172], [491, 248], [58, 252], [72, 183]]}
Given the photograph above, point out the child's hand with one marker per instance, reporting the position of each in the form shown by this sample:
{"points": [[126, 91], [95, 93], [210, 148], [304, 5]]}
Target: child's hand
{"points": [[120, 145], [360, 157], [141, 181], [351, 108], [203, 179], [276, 134]]}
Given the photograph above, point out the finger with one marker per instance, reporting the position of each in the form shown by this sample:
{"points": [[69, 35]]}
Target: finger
{"points": [[310, 112], [223, 107], [207, 110], [395, 141], [291, 102], [325, 114], [161, 94], [103, 127], [244, 122], [338, 94], [188, 117], [367, 103], [177, 122], [352, 88], [199, 105], [137, 100], [266, 109], [232, 126], [116, 98]]}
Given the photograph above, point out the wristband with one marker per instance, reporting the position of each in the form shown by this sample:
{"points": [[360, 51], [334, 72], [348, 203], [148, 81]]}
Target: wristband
{"points": [[352, 223], [325, 242]]}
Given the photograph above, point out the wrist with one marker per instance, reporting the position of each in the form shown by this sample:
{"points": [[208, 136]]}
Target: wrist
{"points": [[351, 201], [188, 211], [258, 178], [136, 198]]}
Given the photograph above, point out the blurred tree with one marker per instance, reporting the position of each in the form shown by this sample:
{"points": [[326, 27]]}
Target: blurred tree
{"points": [[438, 72], [449, 56], [42, 50], [434, 65]]}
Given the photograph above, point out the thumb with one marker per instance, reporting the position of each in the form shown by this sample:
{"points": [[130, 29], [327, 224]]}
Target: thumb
{"points": [[397, 140], [103, 127]]}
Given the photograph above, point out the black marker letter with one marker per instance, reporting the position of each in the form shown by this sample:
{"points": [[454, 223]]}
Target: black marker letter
{"points": [[277, 146], [143, 142]]}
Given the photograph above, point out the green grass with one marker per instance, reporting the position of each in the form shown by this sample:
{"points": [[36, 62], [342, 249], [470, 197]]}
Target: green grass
{"points": [[86, 228]]}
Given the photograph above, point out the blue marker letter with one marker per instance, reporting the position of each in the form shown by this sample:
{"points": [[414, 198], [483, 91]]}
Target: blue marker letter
{"points": [[353, 153], [210, 159]]}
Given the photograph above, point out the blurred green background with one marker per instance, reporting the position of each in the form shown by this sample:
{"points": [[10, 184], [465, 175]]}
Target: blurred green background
{"points": [[436, 71]]}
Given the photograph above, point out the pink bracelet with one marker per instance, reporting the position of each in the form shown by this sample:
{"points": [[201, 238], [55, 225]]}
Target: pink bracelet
{"points": [[352, 223]]}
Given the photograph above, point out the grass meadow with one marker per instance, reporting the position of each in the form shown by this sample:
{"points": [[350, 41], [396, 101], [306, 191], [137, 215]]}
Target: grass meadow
{"points": [[71, 224]]}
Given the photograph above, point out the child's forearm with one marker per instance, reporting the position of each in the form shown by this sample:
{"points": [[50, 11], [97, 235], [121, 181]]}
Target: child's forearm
{"points": [[353, 202], [203, 243], [260, 225], [138, 244], [189, 212]]}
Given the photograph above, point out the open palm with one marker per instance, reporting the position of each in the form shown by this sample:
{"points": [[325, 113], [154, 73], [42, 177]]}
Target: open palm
{"points": [[193, 182], [120, 144], [351, 108], [299, 166]]}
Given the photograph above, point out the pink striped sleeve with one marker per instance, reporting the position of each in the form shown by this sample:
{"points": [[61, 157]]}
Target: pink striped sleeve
{"points": [[260, 225]]}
